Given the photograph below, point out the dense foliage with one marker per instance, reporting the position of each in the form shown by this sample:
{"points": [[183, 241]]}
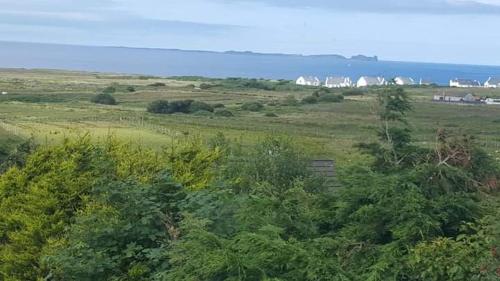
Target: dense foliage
{"points": [[104, 99], [180, 106], [222, 211]]}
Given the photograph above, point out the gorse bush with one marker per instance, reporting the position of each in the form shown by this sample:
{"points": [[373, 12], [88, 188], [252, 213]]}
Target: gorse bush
{"points": [[106, 99]]}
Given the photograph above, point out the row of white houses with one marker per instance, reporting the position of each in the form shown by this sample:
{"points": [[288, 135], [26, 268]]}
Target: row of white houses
{"points": [[365, 81], [468, 83]]}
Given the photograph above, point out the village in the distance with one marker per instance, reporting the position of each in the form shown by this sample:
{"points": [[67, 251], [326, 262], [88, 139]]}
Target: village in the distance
{"points": [[368, 81]]}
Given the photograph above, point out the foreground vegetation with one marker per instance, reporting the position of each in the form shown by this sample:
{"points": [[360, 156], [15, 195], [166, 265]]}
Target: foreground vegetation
{"points": [[216, 209]]}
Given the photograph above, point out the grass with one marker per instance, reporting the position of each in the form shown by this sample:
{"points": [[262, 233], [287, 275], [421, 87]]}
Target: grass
{"points": [[50, 105]]}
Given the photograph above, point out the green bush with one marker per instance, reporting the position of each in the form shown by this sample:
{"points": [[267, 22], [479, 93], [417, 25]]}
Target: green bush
{"points": [[159, 106], [331, 98], [180, 106], [310, 100], [219, 105], [224, 113], [158, 84], [196, 106], [270, 114], [130, 89], [104, 99], [252, 106]]}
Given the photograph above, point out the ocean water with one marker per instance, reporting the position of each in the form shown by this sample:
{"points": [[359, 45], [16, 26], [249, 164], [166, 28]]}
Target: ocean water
{"points": [[163, 62]]}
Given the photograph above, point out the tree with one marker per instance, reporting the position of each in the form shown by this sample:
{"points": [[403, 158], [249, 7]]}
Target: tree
{"points": [[394, 149]]}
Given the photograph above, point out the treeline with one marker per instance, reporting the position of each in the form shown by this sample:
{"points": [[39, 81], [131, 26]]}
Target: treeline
{"points": [[216, 210]]}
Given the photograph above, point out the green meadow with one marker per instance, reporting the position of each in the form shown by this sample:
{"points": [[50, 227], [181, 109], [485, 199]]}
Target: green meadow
{"points": [[50, 105]]}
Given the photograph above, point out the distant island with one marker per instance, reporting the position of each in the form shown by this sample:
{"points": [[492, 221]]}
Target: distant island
{"points": [[326, 56]]}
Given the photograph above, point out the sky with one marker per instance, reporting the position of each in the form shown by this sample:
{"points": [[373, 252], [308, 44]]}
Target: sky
{"points": [[450, 31]]}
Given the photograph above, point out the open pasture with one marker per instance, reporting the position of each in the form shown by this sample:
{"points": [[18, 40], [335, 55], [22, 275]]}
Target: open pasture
{"points": [[50, 105]]}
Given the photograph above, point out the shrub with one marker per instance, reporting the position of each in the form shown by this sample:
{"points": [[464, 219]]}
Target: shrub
{"points": [[224, 113], [103, 99], [182, 106], [196, 106], [130, 89], [290, 101], [159, 106], [158, 84], [252, 106], [270, 114], [219, 105], [310, 100], [109, 90], [331, 98]]}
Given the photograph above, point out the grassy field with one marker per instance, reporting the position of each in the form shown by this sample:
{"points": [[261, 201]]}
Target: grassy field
{"points": [[50, 105]]}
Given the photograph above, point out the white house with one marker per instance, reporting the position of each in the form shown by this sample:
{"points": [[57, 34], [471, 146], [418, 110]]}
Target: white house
{"points": [[492, 83], [404, 81], [308, 81], [464, 83], [338, 82], [366, 81]]}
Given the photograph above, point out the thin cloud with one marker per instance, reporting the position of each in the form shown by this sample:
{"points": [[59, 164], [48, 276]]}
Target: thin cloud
{"points": [[392, 6]]}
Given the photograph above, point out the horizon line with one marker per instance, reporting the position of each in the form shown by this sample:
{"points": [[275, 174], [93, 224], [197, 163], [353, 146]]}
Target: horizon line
{"points": [[248, 52]]}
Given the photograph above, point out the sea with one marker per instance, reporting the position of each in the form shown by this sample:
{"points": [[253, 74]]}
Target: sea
{"points": [[172, 62]]}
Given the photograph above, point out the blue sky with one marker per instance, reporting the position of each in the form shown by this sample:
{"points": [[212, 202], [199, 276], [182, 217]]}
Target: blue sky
{"points": [[454, 31]]}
